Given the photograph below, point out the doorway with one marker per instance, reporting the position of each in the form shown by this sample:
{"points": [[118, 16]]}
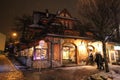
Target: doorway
{"points": [[69, 53]]}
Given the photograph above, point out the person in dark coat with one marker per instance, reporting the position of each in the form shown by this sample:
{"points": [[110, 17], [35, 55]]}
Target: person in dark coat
{"points": [[91, 59], [99, 61]]}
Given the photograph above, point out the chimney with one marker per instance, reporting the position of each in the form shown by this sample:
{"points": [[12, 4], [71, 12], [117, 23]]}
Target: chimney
{"points": [[47, 13]]}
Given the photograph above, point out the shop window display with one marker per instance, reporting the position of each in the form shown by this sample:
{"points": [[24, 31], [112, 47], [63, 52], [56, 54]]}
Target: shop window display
{"points": [[40, 52]]}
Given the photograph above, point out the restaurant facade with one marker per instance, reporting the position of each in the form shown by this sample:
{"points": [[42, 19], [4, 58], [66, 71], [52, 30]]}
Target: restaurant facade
{"points": [[62, 46]]}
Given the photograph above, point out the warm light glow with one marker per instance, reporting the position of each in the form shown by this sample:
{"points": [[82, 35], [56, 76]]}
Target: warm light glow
{"points": [[31, 51], [81, 46], [98, 46], [65, 53], [14, 34], [116, 47]]}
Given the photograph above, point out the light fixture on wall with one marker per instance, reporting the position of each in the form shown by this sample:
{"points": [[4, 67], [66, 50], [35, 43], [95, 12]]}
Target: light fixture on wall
{"points": [[81, 42]]}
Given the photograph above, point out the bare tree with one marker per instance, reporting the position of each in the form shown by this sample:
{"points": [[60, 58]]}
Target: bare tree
{"points": [[102, 16], [22, 26]]}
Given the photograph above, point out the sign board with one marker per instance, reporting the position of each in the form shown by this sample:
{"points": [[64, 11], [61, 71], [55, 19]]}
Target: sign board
{"points": [[41, 43]]}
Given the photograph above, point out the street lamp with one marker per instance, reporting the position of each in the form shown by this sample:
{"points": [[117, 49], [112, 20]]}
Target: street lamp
{"points": [[14, 34], [15, 37], [12, 43]]}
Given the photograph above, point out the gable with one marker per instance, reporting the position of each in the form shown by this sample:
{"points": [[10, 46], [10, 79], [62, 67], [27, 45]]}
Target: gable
{"points": [[64, 13]]}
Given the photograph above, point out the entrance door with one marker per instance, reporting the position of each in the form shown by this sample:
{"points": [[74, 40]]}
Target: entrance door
{"points": [[69, 53]]}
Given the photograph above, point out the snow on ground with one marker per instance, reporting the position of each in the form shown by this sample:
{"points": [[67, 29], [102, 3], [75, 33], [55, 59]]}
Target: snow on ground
{"points": [[113, 74], [76, 67]]}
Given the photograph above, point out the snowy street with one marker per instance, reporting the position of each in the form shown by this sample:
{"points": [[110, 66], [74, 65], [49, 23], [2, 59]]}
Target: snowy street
{"points": [[114, 74], [8, 71], [5, 64]]}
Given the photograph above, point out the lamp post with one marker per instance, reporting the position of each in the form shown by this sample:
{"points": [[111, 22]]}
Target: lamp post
{"points": [[13, 41]]}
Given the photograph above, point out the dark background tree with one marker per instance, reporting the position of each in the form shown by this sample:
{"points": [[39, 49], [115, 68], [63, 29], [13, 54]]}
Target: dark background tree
{"points": [[22, 27], [103, 19]]}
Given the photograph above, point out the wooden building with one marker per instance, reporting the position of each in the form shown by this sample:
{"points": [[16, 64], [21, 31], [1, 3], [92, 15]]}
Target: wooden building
{"points": [[58, 40]]}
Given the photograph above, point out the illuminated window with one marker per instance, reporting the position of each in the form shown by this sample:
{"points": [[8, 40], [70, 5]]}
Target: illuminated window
{"points": [[66, 53], [69, 52], [41, 51]]}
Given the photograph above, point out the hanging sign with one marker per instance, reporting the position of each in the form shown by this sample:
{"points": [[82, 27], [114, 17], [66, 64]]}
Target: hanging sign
{"points": [[41, 43]]}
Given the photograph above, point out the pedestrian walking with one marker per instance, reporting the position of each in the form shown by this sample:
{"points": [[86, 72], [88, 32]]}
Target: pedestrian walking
{"points": [[91, 59], [99, 61]]}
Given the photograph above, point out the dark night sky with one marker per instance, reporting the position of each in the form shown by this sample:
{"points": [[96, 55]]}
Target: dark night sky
{"points": [[9, 9]]}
